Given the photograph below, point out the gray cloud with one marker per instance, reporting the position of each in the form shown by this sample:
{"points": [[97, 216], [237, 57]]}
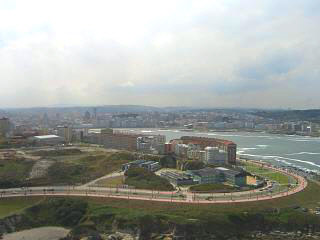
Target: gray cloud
{"points": [[199, 53]]}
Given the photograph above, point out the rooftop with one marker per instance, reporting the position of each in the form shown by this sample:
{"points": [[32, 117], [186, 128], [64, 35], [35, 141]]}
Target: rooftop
{"points": [[46, 136], [222, 168], [205, 172]]}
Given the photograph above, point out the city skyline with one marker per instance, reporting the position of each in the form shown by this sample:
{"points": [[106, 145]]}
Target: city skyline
{"points": [[170, 53]]}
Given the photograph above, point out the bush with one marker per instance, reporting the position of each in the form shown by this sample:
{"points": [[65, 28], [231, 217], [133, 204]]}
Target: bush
{"points": [[143, 179], [168, 161], [60, 152], [194, 165], [58, 211]]}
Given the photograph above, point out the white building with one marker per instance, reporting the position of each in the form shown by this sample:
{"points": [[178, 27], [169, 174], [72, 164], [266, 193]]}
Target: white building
{"points": [[46, 140], [215, 156], [181, 149]]}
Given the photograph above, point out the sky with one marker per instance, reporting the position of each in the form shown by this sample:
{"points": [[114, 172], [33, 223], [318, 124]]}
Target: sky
{"points": [[202, 53]]}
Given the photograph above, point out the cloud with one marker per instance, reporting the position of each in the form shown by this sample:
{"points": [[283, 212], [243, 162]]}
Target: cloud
{"points": [[200, 53]]}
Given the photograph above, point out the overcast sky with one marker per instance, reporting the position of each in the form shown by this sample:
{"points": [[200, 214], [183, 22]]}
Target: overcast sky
{"points": [[215, 53]]}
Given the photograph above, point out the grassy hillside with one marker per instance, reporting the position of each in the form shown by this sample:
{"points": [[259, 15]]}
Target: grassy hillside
{"points": [[14, 172], [197, 221], [143, 179], [83, 169], [57, 152], [9, 206]]}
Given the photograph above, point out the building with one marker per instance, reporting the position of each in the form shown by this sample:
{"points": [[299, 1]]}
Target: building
{"points": [[136, 163], [215, 156], [117, 140], [228, 146], [181, 150], [46, 140], [168, 148], [151, 166], [151, 143], [177, 179], [234, 177], [126, 140], [65, 132], [206, 175], [219, 175], [5, 127]]}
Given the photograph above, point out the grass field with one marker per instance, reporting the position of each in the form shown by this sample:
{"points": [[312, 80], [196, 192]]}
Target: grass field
{"points": [[79, 169], [269, 174], [9, 206], [15, 168], [111, 182], [309, 198], [143, 179], [13, 172], [156, 216]]}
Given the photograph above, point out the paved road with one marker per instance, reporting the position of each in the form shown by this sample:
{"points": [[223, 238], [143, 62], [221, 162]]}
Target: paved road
{"points": [[143, 194], [139, 194]]}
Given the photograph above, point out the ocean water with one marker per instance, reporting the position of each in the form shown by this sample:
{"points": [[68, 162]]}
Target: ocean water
{"points": [[282, 150]]}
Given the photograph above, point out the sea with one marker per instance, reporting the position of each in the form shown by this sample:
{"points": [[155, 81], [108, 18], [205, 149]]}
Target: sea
{"points": [[281, 150]]}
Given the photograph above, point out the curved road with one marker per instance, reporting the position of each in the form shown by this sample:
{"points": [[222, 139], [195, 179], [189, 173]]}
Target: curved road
{"points": [[139, 194]]}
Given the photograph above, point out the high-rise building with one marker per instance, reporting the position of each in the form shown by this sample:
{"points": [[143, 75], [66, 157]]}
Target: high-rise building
{"points": [[227, 146], [65, 132], [5, 127], [215, 156], [87, 116]]}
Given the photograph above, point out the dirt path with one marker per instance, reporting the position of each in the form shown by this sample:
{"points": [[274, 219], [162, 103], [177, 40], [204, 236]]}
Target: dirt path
{"points": [[44, 233]]}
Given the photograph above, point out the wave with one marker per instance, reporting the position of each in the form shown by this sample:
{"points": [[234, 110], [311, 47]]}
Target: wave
{"points": [[304, 139], [262, 146], [237, 135], [281, 158], [224, 135], [246, 149], [303, 153]]}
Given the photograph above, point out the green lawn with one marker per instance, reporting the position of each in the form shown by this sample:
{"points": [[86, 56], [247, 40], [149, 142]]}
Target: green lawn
{"points": [[9, 206], [14, 171], [80, 169], [308, 198], [144, 179], [225, 217], [269, 174], [237, 217], [111, 182]]}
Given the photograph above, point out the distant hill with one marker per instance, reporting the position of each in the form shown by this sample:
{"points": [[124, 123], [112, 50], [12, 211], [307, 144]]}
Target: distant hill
{"points": [[83, 109], [312, 115]]}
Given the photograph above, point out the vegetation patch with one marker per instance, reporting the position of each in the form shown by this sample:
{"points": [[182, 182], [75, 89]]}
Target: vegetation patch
{"points": [[269, 174], [87, 215], [57, 152], [85, 169], [144, 179], [9, 206], [168, 161], [14, 172], [65, 212], [111, 182], [193, 165]]}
